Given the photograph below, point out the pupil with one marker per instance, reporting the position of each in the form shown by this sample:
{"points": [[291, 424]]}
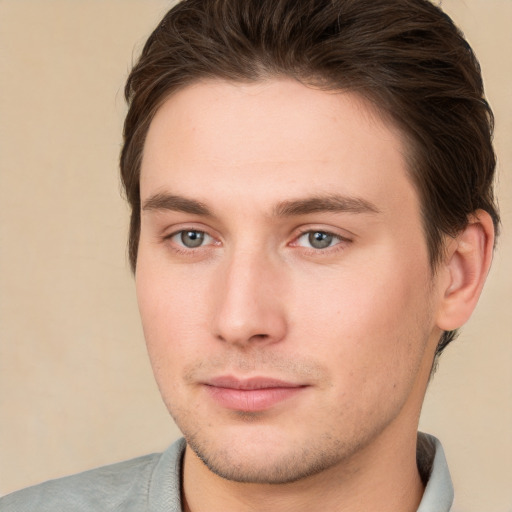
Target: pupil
{"points": [[192, 238], [320, 240]]}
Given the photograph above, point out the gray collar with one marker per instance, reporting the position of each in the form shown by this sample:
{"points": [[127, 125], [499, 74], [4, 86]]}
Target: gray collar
{"points": [[438, 495]]}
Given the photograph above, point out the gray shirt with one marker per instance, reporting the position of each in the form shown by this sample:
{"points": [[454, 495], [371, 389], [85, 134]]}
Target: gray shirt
{"points": [[152, 484]]}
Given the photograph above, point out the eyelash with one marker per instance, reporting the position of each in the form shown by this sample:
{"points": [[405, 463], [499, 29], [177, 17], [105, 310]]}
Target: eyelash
{"points": [[182, 249], [339, 245]]}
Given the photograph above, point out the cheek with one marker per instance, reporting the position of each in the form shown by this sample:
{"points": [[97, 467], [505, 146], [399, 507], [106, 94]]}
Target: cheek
{"points": [[371, 322], [171, 312], [169, 296], [169, 321]]}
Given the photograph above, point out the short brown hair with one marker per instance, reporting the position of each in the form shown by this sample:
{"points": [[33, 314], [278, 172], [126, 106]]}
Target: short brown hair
{"points": [[405, 56]]}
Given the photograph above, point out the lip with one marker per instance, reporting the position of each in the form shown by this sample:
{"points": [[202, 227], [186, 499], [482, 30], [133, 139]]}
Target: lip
{"points": [[251, 395]]}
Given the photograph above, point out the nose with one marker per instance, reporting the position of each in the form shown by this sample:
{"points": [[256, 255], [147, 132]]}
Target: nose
{"points": [[249, 302]]}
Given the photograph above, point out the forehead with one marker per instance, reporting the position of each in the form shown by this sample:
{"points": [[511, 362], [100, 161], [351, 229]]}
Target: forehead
{"points": [[237, 137]]}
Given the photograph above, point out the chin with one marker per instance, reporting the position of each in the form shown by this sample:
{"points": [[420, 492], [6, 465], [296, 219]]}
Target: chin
{"points": [[262, 468], [265, 459]]}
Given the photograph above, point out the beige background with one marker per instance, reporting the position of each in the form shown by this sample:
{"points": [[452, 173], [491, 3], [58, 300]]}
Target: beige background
{"points": [[76, 390]]}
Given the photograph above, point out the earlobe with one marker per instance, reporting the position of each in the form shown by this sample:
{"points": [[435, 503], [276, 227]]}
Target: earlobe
{"points": [[466, 266]]}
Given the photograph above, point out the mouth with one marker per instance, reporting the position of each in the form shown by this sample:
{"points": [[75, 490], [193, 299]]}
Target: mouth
{"points": [[251, 395]]}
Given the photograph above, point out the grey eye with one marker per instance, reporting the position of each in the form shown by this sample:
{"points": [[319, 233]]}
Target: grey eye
{"points": [[192, 238], [320, 239]]}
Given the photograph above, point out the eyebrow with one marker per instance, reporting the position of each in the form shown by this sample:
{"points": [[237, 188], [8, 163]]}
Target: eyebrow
{"points": [[331, 203], [317, 204], [175, 203]]}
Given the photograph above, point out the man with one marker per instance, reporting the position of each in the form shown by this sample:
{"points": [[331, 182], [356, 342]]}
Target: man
{"points": [[312, 220]]}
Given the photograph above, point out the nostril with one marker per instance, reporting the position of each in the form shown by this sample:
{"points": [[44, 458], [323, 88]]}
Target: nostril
{"points": [[244, 340]]}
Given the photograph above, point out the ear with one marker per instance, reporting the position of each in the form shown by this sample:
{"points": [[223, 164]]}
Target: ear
{"points": [[465, 268]]}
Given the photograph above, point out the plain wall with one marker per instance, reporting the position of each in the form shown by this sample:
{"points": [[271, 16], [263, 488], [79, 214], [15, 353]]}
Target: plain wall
{"points": [[76, 389]]}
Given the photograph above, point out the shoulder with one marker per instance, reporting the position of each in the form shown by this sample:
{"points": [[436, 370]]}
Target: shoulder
{"points": [[122, 486], [103, 488]]}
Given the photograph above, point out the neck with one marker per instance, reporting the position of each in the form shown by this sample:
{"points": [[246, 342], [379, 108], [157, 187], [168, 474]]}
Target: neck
{"points": [[382, 477]]}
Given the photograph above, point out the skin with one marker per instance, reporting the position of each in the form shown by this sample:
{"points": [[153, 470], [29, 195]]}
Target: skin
{"points": [[256, 170]]}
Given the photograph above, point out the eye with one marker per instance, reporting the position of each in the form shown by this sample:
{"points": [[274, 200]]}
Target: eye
{"points": [[191, 238], [318, 239]]}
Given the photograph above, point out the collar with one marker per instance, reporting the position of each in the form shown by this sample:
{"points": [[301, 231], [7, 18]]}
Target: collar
{"points": [[432, 465]]}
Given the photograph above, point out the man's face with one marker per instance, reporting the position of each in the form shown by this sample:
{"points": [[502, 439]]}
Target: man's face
{"points": [[282, 277]]}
